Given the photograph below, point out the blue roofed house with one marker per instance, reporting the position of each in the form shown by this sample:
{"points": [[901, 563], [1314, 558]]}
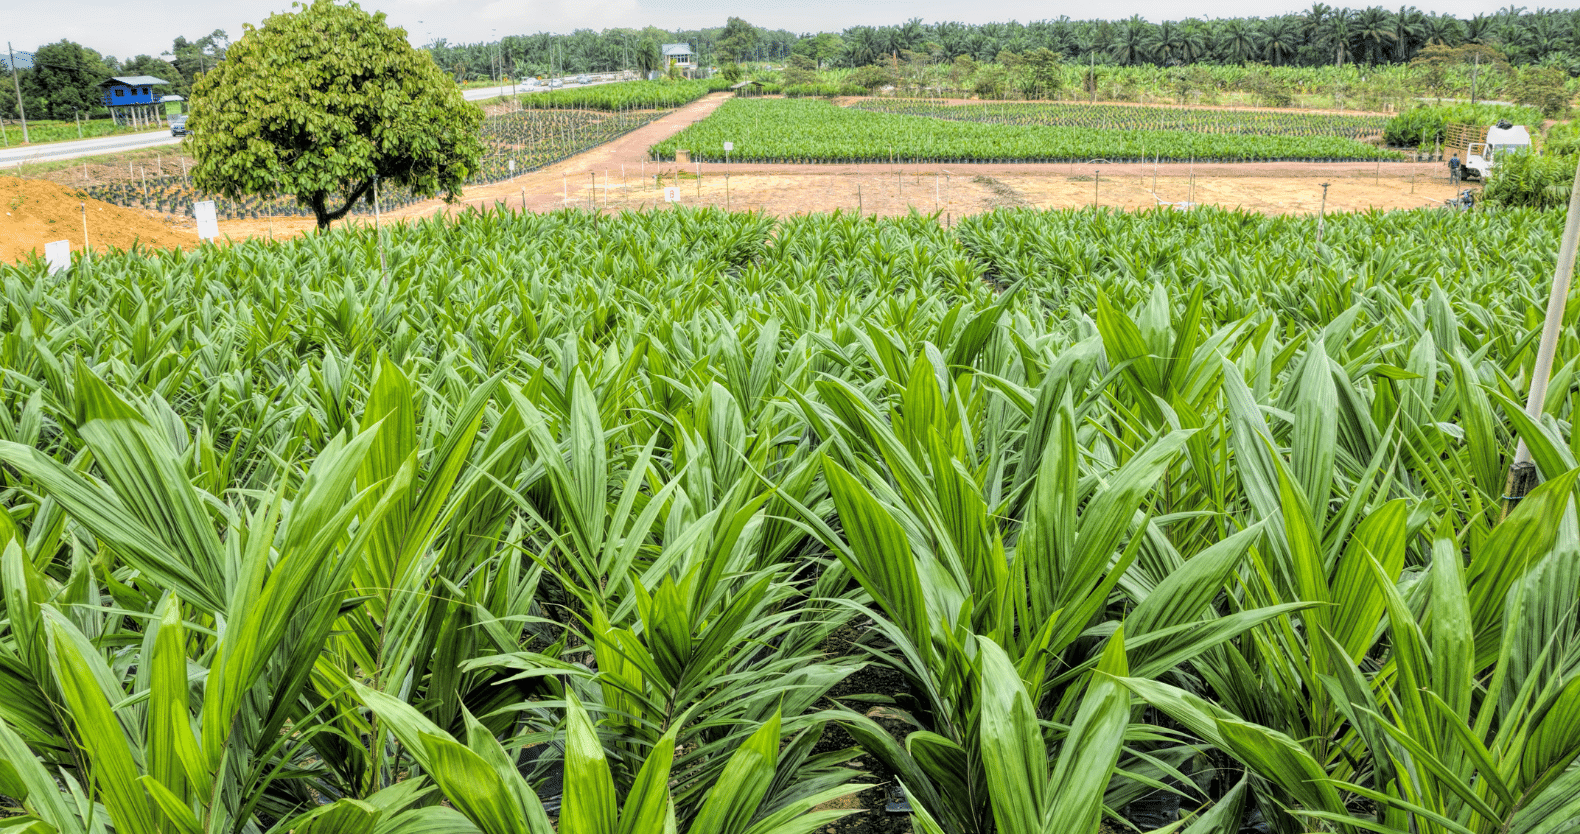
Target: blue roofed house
{"points": [[132, 99]]}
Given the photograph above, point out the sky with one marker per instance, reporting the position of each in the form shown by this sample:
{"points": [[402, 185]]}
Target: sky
{"points": [[124, 31]]}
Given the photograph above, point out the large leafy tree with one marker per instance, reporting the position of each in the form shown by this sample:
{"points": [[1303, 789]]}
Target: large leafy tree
{"points": [[736, 43], [323, 103], [64, 81]]}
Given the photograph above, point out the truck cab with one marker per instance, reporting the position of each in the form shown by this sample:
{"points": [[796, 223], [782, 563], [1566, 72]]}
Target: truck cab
{"points": [[1502, 138]]}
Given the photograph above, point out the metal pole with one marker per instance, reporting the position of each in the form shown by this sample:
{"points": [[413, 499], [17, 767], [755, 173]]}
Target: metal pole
{"points": [[1097, 181], [1522, 474], [20, 110]]}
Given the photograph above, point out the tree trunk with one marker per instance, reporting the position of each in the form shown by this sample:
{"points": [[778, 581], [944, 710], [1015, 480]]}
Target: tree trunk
{"points": [[321, 211]]}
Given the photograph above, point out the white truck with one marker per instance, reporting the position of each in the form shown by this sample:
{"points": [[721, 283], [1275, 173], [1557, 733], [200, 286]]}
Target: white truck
{"points": [[1478, 148]]}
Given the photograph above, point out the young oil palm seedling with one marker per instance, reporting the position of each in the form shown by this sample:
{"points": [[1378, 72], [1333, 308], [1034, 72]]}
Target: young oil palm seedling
{"points": [[698, 522]]}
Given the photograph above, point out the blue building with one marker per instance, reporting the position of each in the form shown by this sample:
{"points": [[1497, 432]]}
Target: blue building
{"points": [[132, 100]]}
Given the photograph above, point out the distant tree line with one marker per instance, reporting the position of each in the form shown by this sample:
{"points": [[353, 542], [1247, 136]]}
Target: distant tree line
{"points": [[1322, 35]]}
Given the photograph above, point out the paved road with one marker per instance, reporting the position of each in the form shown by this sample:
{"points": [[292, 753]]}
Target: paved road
{"points": [[14, 156]]}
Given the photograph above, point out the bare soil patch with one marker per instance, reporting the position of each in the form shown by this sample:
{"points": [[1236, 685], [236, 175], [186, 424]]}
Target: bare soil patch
{"points": [[37, 212]]}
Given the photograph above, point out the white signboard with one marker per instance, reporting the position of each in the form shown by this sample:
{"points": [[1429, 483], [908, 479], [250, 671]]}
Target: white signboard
{"points": [[207, 223], [671, 194], [512, 166], [729, 146], [58, 255]]}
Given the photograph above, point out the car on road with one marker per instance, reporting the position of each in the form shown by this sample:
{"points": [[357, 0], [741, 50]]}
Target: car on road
{"points": [[582, 79], [556, 83], [178, 125]]}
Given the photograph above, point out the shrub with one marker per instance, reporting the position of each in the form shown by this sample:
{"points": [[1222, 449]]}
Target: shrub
{"points": [[1424, 125], [1523, 180]]}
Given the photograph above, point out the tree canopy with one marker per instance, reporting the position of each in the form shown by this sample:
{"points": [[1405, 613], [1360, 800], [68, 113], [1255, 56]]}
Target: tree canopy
{"points": [[64, 80], [322, 103], [737, 40]]}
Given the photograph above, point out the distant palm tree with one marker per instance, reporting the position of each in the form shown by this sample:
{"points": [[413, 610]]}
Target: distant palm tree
{"points": [[1163, 41], [1130, 41], [1478, 29], [1442, 29], [1281, 39], [1409, 27], [1339, 34], [1238, 39], [1194, 41], [1313, 19], [1374, 31]]}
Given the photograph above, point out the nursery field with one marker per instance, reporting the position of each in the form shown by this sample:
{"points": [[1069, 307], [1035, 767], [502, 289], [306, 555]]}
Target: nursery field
{"points": [[624, 95], [800, 130], [529, 138], [1129, 117], [710, 523]]}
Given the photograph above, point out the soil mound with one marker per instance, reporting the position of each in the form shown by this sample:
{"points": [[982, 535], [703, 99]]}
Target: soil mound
{"points": [[34, 212]]}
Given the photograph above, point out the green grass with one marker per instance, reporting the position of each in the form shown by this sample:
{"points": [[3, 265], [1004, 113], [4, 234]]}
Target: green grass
{"points": [[44, 132], [784, 130]]}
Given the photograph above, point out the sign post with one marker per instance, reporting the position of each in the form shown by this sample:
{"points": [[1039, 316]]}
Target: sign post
{"points": [[207, 223], [57, 254]]}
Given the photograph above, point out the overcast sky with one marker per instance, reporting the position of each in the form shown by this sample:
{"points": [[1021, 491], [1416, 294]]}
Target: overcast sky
{"points": [[123, 31]]}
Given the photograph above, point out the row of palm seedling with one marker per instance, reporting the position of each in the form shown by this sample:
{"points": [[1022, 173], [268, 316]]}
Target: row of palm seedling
{"points": [[572, 522], [811, 130], [1133, 117]]}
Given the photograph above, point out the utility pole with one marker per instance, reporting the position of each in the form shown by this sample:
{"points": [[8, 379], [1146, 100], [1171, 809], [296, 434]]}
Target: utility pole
{"points": [[1522, 475], [1473, 71], [18, 84]]}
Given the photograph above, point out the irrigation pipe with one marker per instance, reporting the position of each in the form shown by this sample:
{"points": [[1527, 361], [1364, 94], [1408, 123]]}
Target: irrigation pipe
{"points": [[1522, 474]]}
